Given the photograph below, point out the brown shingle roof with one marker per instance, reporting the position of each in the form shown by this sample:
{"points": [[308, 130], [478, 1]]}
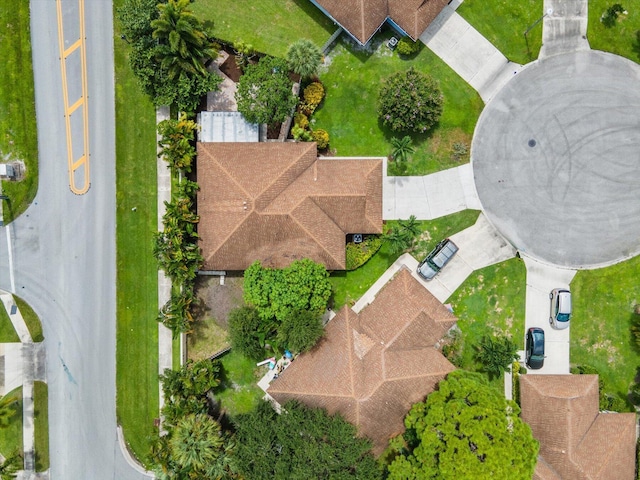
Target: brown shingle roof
{"points": [[362, 18], [372, 366], [277, 202], [576, 440]]}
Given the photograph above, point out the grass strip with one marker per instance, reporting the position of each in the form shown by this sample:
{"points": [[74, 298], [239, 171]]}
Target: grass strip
{"points": [[270, 27], [18, 140], [8, 333], [623, 37], [11, 438], [504, 24], [31, 319], [41, 424], [137, 273]]}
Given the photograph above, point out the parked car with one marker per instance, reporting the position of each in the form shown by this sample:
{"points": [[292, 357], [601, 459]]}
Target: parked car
{"points": [[437, 259], [534, 349], [560, 312]]}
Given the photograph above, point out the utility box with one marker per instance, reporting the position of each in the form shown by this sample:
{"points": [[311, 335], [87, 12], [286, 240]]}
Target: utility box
{"points": [[7, 171]]}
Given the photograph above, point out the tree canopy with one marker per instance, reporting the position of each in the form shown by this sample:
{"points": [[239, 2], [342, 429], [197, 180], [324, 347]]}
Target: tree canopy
{"points": [[465, 430], [264, 92], [410, 101], [300, 443], [303, 285], [304, 58]]}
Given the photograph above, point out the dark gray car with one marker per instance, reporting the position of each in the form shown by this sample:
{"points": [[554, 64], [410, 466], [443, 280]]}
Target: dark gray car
{"points": [[535, 348], [437, 259]]}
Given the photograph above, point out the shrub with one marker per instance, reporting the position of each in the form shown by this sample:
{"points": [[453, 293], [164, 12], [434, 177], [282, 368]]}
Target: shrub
{"points": [[496, 354], [304, 57], [313, 94], [452, 347], [301, 120], [321, 137], [610, 15], [359, 253], [407, 47], [459, 151], [410, 101], [300, 330], [300, 134]]}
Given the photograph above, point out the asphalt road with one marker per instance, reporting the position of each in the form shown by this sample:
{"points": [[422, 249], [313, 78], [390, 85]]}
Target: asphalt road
{"points": [[556, 160], [64, 256]]}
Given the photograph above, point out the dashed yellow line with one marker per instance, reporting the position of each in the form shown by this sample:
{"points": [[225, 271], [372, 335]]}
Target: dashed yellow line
{"points": [[82, 162]]}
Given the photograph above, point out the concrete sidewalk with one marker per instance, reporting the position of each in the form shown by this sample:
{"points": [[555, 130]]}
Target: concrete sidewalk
{"points": [[430, 196], [468, 53], [165, 337], [564, 27], [541, 279]]}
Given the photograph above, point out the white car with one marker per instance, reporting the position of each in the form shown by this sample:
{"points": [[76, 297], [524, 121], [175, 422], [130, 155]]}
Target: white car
{"points": [[560, 312]]}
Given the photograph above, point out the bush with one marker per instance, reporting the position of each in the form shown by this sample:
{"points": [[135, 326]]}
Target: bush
{"points": [[301, 120], [452, 347], [313, 94], [300, 134], [407, 47], [321, 137], [410, 101], [496, 354], [359, 253], [300, 330], [248, 332], [610, 15]]}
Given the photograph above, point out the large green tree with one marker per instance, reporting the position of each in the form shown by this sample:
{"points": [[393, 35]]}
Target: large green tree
{"points": [[300, 443], [465, 430], [264, 92], [410, 101], [303, 285], [248, 332]]}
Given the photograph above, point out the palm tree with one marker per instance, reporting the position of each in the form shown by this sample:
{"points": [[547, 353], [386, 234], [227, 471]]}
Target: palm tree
{"points": [[398, 240], [411, 226], [196, 442], [402, 148], [9, 468], [183, 43], [7, 410], [304, 58]]}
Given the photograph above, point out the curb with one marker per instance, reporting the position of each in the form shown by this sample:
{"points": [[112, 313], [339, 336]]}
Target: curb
{"points": [[133, 463]]}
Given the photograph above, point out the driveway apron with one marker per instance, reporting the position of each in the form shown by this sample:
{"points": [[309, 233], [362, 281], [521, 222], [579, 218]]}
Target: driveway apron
{"points": [[564, 27], [467, 52]]}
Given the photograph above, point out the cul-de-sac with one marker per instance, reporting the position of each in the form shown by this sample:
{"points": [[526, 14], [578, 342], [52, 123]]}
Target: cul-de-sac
{"points": [[319, 239]]}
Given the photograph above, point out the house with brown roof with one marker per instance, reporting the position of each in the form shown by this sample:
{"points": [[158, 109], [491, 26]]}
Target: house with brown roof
{"points": [[279, 202], [577, 442], [363, 18], [372, 366]]}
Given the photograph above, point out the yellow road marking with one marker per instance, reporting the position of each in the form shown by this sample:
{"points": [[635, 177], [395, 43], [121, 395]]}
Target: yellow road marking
{"points": [[80, 44]]}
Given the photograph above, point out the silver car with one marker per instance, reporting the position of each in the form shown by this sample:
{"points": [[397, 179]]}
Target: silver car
{"points": [[560, 312]]}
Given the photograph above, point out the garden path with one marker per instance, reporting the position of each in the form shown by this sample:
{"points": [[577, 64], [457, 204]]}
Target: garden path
{"points": [[468, 53], [564, 27]]}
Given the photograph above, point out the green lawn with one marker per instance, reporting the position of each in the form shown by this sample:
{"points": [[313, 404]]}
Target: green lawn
{"points": [[8, 334], [239, 392], [349, 112], [137, 289], [270, 27], [11, 438], [603, 302], [41, 422], [491, 301], [348, 287], [504, 23], [18, 138], [31, 319], [623, 38]]}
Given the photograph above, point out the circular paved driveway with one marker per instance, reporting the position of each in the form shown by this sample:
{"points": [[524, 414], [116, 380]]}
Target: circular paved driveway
{"points": [[556, 159]]}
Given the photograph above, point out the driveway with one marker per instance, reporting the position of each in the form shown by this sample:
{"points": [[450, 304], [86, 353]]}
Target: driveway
{"points": [[541, 279], [468, 53], [564, 27], [430, 196]]}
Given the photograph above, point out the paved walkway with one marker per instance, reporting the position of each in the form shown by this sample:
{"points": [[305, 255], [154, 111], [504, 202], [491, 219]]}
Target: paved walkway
{"points": [[20, 365], [541, 279], [564, 27], [468, 53], [430, 196], [165, 338], [223, 100]]}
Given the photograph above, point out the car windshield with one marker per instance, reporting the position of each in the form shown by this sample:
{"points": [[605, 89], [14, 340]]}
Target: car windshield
{"points": [[563, 317], [538, 343]]}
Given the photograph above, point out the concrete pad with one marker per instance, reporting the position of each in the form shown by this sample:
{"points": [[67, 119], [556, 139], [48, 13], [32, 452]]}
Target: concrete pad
{"points": [[13, 367], [541, 279], [430, 196], [564, 27], [16, 318], [467, 52], [482, 245]]}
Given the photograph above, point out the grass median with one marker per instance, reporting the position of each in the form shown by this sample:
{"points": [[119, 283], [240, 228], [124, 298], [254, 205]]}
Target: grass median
{"points": [[41, 424], [137, 284], [18, 140]]}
